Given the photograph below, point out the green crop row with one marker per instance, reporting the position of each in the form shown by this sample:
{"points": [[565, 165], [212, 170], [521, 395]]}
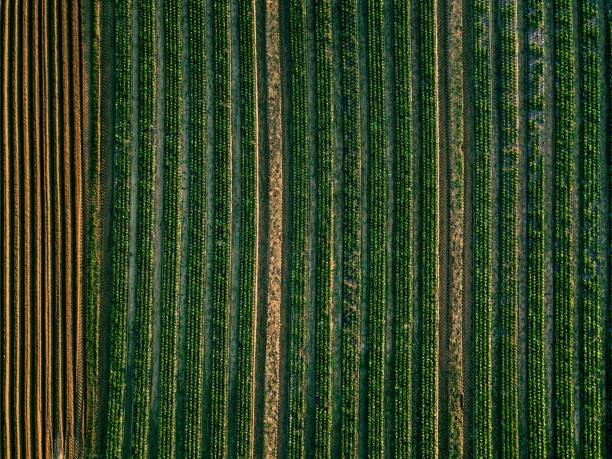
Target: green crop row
{"points": [[248, 228], [509, 272], [300, 219], [536, 366], [222, 221], [145, 218], [171, 241], [402, 237], [591, 193], [196, 253], [120, 232], [563, 276], [93, 229], [323, 226], [351, 227], [428, 95], [377, 230], [482, 232]]}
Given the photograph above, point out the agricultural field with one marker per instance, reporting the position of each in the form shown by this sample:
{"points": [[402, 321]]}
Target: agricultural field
{"points": [[306, 229]]}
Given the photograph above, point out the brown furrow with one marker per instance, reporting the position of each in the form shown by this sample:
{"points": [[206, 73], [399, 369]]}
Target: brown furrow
{"points": [[6, 234], [58, 269], [78, 228], [67, 228], [36, 109], [26, 347], [16, 247], [275, 205], [48, 372]]}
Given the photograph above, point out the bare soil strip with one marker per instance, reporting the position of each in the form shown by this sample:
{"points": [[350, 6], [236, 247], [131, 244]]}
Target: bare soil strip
{"points": [[38, 256], [455, 145], [16, 240], [275, 231], [58, 222], [5, 431], [24, 46], [47, 313], [77, 172], [68, 228]]}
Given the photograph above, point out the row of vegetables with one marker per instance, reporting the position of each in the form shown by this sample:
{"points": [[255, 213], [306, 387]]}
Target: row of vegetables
{"points": [[146, 70], [509, 276], [428, 245], [221, 221], [120, 232], [537, 419], [591, 192], [378, 191], [324, 163], [299, 190], [248, 228], [402, 237], [564, 297], [197, 234], [482, 233], [351, 286]]}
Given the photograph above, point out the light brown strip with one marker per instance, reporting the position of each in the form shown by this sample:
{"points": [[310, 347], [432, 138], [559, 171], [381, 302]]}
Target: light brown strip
{"points": [[58, 224], [47, 306], [67, 228], [27, 223], [77, 178], [16, 241], [38, 283], [6, 232], [275, 203]]}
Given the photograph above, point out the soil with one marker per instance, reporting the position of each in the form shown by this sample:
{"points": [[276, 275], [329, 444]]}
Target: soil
{"points": [[26, 236], [275, 232], [6, 237]]}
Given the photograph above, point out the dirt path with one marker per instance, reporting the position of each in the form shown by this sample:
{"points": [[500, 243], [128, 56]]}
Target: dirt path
{"points": [[5, 397], [26, 253], [68, 228], [77, 177], [58, 222], [275, 209], [453, 437], [16, 306], [37, 253], [47, 314]]}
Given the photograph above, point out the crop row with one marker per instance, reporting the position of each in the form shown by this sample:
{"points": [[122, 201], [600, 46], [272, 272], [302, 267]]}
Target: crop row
{"points": [[536, 369], [323, 226], [402, 237], [248, 227], [221, 227], [120, 231], [377, 230], [591, 193], [171, 228], [93, 226], [482, 229], [145, 221], [563, 189], [351, 227], [509, 275], [196, 253], [300, 218], [428, 96]]}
